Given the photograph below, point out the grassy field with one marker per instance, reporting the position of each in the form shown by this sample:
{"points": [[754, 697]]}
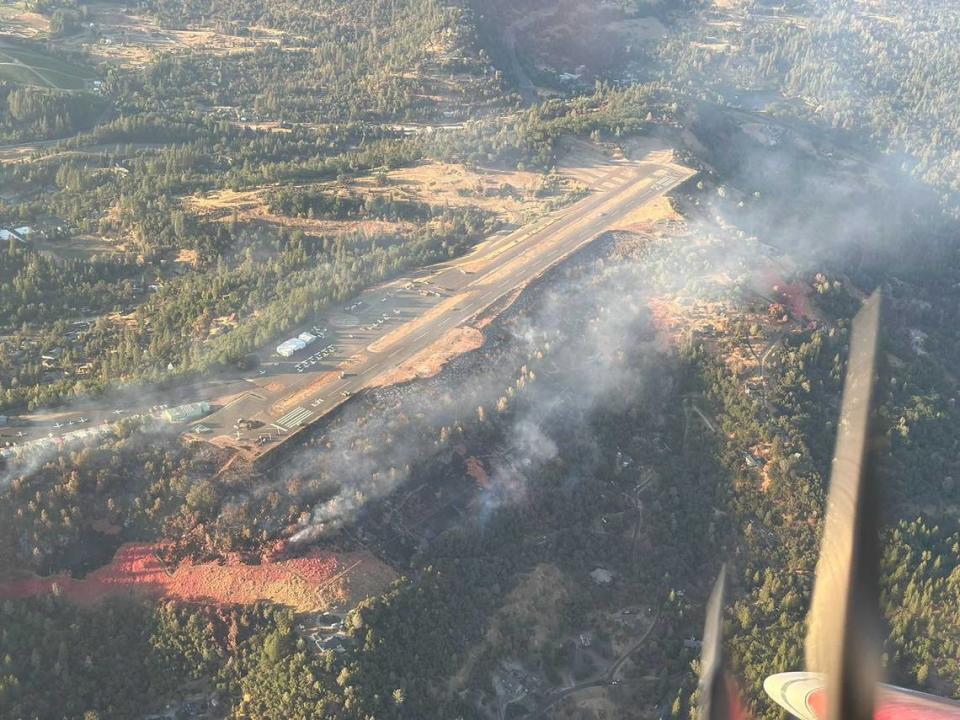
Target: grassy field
{"points": [[18, 22], [29, 66]]}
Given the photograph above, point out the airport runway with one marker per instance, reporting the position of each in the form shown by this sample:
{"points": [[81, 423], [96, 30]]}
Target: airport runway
{"points": [[385, 326], [392, 323]]}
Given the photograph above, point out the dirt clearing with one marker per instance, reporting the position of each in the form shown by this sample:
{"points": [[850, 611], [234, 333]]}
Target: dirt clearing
{"points": [[250, 206], [23, 23], [513, 196], [131, 40], [318, 582]]}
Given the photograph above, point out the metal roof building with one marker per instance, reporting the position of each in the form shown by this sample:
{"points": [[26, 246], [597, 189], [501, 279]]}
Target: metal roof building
{"points": [[290, 347], [184, 413]]}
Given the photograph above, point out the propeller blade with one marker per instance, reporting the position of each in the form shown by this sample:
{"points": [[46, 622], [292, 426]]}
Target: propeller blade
{"points": [[843, 627], [718, 694]]}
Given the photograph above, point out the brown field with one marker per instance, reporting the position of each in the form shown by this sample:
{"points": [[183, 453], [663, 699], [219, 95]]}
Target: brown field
{"points": [[188, 257], [508, 194], [536, 604], [646, 217], [15, 154], [319, 581], [130, 39], [219, 204], [266, 126], [79, 247], [22, 23], [250, 206], [718, 47]]}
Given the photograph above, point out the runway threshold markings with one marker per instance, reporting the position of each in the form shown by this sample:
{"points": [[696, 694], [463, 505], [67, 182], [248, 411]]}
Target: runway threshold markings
{"points": [[295, 418]]}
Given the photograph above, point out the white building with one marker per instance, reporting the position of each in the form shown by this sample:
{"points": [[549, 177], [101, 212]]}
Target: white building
{"points": [[289, 348], [185, 413]]}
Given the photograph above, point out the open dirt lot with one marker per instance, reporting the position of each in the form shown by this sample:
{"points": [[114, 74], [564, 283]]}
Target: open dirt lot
{"points": [[317, 582]]}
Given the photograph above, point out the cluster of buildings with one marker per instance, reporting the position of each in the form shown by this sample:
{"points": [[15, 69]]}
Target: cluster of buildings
{"points": [[329, 633], [289, 348]]}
